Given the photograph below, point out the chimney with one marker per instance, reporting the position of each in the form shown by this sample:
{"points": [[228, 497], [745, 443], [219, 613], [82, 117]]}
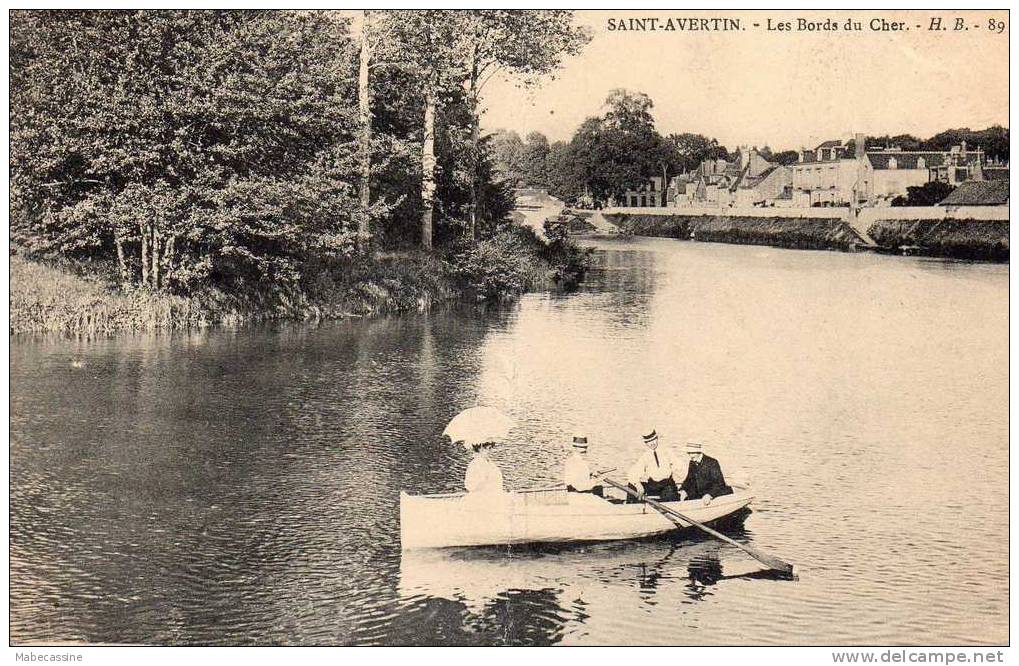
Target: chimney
{"points": [[860, 145]]}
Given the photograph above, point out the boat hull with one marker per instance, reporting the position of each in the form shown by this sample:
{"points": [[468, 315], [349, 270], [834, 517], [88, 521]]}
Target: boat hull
{"points": [[441, 521]]}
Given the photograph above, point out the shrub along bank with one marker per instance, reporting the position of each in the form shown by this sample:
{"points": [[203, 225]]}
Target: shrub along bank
{"points": [[68, 298]]}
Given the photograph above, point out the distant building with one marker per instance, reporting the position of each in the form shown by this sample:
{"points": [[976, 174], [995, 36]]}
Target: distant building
{"points": [[978, 193], [760, 181], [827, 175], [888, 172], [651, 195], [746, 180]]}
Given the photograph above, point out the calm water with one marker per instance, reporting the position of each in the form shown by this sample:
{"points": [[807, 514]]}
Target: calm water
{"points": [[240, 486]]}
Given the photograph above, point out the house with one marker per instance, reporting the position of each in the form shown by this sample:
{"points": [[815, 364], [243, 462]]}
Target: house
{"points": [[759, 181], [828, 175], [978, 193], [743, 181], [888, 172], [651, 195]]}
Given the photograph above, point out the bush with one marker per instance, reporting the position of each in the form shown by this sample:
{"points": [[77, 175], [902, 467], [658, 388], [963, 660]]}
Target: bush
{"points": [[498, 268]]}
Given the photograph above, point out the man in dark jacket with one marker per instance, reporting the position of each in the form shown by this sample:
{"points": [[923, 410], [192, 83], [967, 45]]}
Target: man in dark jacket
{"points": [[704, 478]]}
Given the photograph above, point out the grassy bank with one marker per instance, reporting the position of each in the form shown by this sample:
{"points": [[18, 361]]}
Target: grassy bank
{"points": [[799, 233], [63, 298], [960, 239]]}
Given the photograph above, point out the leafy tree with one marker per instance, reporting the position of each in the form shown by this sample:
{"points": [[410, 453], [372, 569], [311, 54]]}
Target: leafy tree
{"points": [[903, 141], [928, 194], [535, 159], [195, 147], [619, 150], [526, 44], [786, 157], [692, 149], [563, 180], [507, 155], [993, 141]]}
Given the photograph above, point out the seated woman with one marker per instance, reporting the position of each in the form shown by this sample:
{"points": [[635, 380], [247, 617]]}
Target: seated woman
{"points": [[483, 475], [576, 471]]}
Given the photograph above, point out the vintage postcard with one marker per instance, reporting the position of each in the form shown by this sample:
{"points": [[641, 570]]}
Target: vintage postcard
{"points": [[509, 328]]}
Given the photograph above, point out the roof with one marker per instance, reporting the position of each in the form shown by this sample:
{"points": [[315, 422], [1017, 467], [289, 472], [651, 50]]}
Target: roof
{"points": [[906, 159], [748, 182], [978, 193], [830, 144], [995, 172]]}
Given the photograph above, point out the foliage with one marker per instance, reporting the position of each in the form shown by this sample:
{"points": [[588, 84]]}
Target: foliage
{"points": [[693, 149], [495, 269], [993, 141], [198, 147], [507, 151], [928, 194]]}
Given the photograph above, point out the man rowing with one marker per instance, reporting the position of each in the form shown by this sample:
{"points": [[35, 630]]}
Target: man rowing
{"points": [[652, 474], [704, 478], [576, 472]]}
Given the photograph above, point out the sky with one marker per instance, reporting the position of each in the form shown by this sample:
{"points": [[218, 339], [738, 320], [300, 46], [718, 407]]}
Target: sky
{"points": [[776, 88]]}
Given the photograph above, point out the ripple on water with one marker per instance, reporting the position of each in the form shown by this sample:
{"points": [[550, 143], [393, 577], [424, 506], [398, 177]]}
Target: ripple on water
{"points": [[241, 487]]}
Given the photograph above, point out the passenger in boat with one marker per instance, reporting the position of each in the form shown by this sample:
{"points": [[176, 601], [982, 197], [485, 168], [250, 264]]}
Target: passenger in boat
{"points": [[652, 474], [704, 478], [483, 475], [577, 473]]}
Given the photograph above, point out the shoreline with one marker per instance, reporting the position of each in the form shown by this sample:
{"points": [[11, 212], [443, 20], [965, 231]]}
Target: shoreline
{"points": [[48, 299], [898, 232]]}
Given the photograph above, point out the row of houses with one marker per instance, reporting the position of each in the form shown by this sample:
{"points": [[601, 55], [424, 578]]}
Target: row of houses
{"points": [[832, 174]]}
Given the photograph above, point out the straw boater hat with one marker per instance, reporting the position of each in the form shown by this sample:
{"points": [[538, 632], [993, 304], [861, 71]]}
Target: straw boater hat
{"points": [[580, 442], [694, 447], [651, 436]]}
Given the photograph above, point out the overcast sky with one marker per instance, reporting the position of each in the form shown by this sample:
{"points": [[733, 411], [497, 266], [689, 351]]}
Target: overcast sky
{"points": [[776, 88]]}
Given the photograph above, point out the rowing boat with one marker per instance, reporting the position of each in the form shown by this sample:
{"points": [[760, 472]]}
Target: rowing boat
{"points": [[544, 515]]}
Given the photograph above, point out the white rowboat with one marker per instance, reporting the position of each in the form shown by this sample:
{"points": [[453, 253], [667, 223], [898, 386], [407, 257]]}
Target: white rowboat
{"points": [[448, 520]]}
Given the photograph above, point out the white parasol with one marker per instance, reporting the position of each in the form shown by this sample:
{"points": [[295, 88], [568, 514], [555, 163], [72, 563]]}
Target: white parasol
{"points": [[478, 425]]}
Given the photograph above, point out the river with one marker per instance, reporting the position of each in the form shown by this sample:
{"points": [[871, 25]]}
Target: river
{"points": [[240, 486]]}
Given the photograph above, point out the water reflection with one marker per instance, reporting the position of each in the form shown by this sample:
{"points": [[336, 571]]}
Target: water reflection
{"points": [[241, 486], [562, 586]]}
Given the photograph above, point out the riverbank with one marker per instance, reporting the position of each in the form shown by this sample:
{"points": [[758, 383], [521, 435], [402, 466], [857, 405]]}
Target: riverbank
{"points": [[800, 233], [65, 298], [975, 234]]}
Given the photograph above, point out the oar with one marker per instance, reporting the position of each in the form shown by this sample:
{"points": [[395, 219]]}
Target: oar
{"points": [[763, 558]]}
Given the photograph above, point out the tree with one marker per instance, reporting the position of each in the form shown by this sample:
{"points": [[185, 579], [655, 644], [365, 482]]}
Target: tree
{"points": [[786, 157], [527, 44], [993, 141], [928, 194], [692, 149], [428, 42], [535, 159], [507, 155], [563, 181], [193, 147], [619, 150]]}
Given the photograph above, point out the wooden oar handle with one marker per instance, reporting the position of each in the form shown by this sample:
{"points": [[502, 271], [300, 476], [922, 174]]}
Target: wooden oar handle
{"points": [[767, 560]]}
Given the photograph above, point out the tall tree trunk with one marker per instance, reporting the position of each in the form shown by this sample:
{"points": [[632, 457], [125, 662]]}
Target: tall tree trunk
{"points": [[118, 240], [665, 185], [428, 168], [155, 258], [365, 120], [167, 260], [472, 97], [145, 233]]}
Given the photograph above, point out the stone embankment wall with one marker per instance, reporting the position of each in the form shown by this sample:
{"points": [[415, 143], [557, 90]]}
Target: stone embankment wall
{"points": [[964, 232]]}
